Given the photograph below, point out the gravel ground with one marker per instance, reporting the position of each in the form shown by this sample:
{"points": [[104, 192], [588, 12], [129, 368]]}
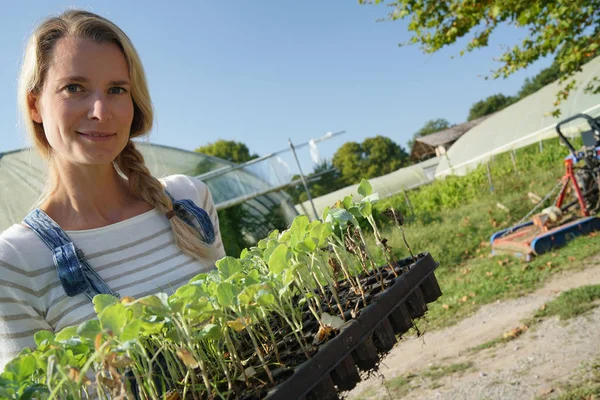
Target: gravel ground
{"points": [[534, 364]]}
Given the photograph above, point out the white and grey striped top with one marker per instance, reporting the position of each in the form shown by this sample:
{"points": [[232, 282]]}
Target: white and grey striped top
{"points": [[136, 257]]}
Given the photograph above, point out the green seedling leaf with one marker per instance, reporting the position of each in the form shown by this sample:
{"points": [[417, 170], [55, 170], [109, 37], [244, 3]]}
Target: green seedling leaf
{"points": [[131, 330], [210, 332], [374, 198], [33, 392], [244, 253], [320, 233], [227, 294], [273, 234], [270, 249], [113, 318], [247, 295], [252, 278], [89, 329], [340, 216], [347, 202], [43, 336], [158, 303], [332, 321], [298, 229], [278, 260], [365, 188], [101, 301], [266, 299], [67, 333], [22, 367], [285, 237], [325, 213], [199, 278], [228, 266], [366, 210]]}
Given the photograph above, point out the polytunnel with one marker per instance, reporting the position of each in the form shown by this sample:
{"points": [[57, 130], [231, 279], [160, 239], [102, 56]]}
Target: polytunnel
{"points": [[523, 123], [22, 178]]}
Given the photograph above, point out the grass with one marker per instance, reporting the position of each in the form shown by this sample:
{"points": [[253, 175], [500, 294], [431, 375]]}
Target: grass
{"points": [[571, 303], [584, 387], [458, 236], [400, 386], [437, 372]]}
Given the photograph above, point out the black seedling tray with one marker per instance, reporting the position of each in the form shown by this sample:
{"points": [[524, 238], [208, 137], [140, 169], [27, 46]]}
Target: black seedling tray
{"points": [[364, 340]]}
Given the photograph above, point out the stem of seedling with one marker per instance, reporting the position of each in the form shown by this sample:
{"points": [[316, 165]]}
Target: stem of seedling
{"points": [[358, 287], [398, 219], [259, 353], [379, 241], [330, 282], [271, 335], [234, 355]]}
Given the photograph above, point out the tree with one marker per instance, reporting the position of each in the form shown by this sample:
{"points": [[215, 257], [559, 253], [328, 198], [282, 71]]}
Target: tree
{"points": [[566, 29], [327, 182], [431, 126], [543, 78], [376, 156], [489, 105], [228, 150]]}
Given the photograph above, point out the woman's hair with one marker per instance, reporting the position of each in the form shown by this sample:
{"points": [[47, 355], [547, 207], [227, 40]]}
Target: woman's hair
{"points": [[130, 162]]}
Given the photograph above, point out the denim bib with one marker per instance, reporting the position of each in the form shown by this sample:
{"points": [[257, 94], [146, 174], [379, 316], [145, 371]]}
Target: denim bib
{"points": [[75, 273]]}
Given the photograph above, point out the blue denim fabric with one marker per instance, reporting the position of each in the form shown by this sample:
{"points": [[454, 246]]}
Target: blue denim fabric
{"points": [[195, 217], [76, 275]]}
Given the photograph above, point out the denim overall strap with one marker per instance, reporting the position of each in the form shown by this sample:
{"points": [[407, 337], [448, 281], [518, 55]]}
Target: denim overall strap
{"points": [[194, 216], [75, 274]]}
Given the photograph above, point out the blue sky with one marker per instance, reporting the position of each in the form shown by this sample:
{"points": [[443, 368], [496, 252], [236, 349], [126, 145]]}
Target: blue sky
{"points": [[262, 72]]}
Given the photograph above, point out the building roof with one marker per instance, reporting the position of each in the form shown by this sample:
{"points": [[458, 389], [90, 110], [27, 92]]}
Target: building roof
{"points": [[451, 134]]}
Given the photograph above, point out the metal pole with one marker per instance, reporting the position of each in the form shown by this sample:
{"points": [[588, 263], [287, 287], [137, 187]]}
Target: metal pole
{"points": [[489, 174], [513, 157], [541, 146], [304, 180], [412, 212]]}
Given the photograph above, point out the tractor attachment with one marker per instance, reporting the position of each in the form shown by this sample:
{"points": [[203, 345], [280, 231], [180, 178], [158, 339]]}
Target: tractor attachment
{"points": [[563, 221]]}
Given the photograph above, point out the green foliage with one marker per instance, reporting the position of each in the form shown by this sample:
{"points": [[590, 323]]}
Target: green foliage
{"points": [[490, 105], [197, 338], [325, 182], [572, 303], [543, 78], [565, 29], [376, 156], [230, 150]]}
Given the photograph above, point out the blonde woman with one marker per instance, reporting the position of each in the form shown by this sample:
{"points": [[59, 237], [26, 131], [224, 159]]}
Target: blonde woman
{"points": [[104, 225]]}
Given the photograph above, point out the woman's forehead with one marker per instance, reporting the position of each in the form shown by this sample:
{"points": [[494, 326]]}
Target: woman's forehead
{"points": [[87, 59]]}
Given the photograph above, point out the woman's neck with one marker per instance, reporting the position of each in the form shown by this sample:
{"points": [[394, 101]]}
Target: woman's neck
{"points": [[90, 196]]}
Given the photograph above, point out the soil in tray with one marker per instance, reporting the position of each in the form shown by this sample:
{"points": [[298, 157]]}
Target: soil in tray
{"points": [[290, 352]]}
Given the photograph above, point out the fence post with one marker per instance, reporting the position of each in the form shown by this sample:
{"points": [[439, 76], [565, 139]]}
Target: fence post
{"points": [[541, 146], [489, 174], [513, 157]]}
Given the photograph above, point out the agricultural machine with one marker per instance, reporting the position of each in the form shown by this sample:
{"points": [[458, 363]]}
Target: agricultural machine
{"points": [[576, 205]]}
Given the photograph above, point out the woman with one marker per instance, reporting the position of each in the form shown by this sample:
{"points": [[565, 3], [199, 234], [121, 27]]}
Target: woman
{"points": [[104, 224]]}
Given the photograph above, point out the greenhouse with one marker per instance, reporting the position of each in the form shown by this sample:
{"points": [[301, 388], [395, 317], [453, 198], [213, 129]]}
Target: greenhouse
{"points": [[22, 178], [526, 122]]}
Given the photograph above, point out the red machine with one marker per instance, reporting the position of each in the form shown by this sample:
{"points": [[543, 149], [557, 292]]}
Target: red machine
{"points": [[556, 225]]}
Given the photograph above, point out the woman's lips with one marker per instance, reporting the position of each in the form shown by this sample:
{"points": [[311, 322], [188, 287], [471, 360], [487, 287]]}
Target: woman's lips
{"points": [[97, 136]]}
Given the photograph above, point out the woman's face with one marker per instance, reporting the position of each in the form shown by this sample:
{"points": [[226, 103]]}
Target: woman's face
{"points": [[85, 105]]}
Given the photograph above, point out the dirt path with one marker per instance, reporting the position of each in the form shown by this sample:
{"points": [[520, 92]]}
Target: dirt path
{"points": [[528, 366]]}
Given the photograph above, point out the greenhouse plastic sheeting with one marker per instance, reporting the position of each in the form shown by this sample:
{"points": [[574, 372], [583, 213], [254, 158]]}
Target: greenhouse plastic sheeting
{"points": [[22, 178], [521, 124], [386, 185]]}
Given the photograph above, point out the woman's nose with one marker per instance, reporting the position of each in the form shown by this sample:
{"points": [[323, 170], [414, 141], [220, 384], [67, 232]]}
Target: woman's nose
{"points": [[99, 108]]}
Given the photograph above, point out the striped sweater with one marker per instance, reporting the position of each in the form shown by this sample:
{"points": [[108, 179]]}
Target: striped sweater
{"points": [[136, 257]]}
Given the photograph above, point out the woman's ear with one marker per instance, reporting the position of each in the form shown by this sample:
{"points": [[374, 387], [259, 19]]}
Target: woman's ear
{"points": [[34, 111]]}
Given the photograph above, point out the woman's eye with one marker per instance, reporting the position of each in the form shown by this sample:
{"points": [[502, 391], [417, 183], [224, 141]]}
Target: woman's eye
{"points": [[116, 90], [73, 88]]}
